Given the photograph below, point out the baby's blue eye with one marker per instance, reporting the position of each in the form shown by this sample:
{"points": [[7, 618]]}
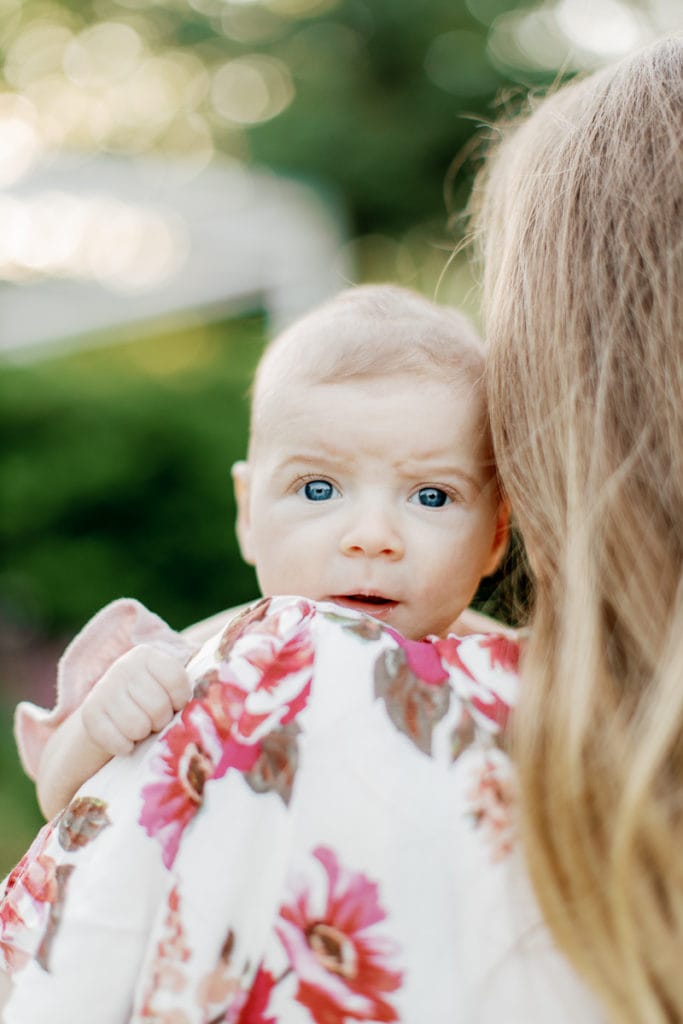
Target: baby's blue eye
{"points": [[430, 497], [319, 490]]}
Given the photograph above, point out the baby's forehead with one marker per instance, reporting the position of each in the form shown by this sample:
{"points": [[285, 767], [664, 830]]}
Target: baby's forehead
{"points": [[337, 343], [299, 412], [372, 334]]}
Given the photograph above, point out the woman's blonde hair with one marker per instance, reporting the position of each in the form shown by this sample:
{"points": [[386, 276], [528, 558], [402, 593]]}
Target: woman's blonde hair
{"points": [[579, 215]]}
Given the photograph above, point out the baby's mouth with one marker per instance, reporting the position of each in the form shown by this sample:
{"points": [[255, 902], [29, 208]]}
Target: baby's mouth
{"points": [[371, 604]]}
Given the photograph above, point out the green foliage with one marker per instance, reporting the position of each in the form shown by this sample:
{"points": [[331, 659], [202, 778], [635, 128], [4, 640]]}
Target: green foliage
{"points": [[116, 479], [18, 804], [369, 116]]}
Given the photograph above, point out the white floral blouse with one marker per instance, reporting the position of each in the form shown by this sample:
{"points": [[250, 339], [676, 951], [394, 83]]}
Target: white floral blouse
{"points": [[324, 835]]}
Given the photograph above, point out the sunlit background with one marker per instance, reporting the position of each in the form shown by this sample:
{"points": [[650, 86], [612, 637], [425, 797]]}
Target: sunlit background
{"points": [[177, 181]]}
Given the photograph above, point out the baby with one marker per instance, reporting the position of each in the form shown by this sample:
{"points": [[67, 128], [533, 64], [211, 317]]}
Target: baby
{"points": [[369, 483]]}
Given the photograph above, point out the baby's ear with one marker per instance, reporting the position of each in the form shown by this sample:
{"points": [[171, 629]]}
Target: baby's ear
{"points": [[501, 538], [241, 480]]}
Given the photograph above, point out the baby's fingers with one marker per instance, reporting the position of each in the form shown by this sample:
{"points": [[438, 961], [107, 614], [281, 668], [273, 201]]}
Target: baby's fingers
{"points": [[104, 732], [134, 721], [136, 696], [147, 694], [172, 677]]}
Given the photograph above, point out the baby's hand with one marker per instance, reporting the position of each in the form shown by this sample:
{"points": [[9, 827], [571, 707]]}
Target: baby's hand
{"points": [[136, 696]]}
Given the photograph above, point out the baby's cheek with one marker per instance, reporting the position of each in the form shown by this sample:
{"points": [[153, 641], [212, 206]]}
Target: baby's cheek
{"points": [[461, 566], [288, 571]]}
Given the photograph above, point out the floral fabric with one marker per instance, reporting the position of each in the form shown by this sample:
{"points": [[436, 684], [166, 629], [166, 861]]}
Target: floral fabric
{"points": [[323, 835]]}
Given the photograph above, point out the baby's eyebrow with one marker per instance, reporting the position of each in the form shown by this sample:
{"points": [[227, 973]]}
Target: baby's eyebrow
{"points": [[443, 470], [317, 458]]}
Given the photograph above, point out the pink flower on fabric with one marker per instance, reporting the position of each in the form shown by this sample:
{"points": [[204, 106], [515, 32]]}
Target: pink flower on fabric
{"points": [[272, 665], [29, 890], [449, 654], [39, 880], [492, 800], [254, 1010], [190, 752], [241, 623], [281, 692], [12, 925], [422, 658], [273, 661], [224, 702], [484, 675], [168, 975], [238, 708], [295, 654], [262, 637], [268, 661], [504, 652], [249, 722], [491, 707], [330, 939]]}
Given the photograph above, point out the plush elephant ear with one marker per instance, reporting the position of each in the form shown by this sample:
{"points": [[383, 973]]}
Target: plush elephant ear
{"points": [[114, 630]]}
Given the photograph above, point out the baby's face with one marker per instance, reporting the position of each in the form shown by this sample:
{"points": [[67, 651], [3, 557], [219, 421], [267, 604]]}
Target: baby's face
{"points": [[372, 494]]}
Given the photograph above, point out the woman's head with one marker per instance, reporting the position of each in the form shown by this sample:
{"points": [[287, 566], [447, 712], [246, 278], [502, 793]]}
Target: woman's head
{"points": [[583, 253], [579, 212]]}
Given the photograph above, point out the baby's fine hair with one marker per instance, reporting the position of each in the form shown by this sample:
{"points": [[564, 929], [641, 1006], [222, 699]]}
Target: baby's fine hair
{"points": [[580, 215], [371, 331]]}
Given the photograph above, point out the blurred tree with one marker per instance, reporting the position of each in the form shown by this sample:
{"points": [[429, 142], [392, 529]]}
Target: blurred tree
{"points": [[117, 479], [373, 119]]}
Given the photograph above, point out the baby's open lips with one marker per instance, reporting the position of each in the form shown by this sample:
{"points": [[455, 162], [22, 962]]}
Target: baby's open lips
{"points": [[373, 604]]}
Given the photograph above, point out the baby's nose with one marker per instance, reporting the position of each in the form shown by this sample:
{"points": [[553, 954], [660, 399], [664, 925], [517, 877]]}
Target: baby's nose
{"points": [[374, 533]]}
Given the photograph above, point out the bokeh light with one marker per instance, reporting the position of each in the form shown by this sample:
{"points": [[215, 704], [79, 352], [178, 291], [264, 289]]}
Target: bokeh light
{"points": [[567, 35], [606, 29], [20, 142], [56, 234], [103, 54], [251, 89]]}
